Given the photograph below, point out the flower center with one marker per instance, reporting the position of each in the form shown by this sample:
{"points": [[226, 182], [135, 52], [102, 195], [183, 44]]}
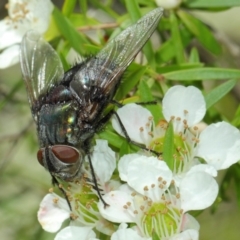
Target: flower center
{"points": [[162, 219], [181, 151]]}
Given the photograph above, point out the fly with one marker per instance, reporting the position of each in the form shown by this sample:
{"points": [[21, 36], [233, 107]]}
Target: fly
{"points": [[68, 107]]}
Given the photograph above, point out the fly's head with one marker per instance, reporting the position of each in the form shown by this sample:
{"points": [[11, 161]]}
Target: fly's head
{"points": [[61, 161]]}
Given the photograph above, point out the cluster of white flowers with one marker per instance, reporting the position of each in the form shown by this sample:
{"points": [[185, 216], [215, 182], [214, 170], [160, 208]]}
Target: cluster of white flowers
{"points": [[146, 194], [23, 15]]}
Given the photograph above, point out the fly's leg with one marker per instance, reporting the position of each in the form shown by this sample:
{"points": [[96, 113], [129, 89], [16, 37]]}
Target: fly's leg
{"points": [[95, 182], [124, 129], [130, 140], [54, 183]]}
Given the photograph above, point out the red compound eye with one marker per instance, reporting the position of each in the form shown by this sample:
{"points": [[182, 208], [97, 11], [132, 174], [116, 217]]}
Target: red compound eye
{"points": [[40, 157], [65, 153]]}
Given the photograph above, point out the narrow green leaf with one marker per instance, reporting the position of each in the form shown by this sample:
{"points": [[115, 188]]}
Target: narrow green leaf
{"points": [[146, 96], [211, 3], [83, 6], [167, 50], [203, 74], [113, 138], [236, 119], [176, 39], [200, 31], [184, 66], [76, 39], [194, 56], [130, 80], [133, 9], [168, 146], [219, 92], [68, 7]]}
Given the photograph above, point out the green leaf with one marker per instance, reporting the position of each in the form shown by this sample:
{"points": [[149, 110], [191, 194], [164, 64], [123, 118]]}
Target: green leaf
{"points": [[219, 92], [203, 74], [184, 66], [76, 39], [167, 51], [83, 7], [133, 9], [168, 146], [113, 138], [68, 7], [211, 3], [200, 31], [130, 80], [146, 96], [194, 56], [176, 39]]}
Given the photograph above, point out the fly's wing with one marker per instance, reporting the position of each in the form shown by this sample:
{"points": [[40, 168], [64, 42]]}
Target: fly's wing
{"points": [[105, 69], [41, 68]]}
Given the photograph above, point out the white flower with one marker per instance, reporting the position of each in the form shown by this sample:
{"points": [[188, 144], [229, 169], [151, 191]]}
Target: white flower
{"points": [[54, 210], [153, 201], [218, 144], [76, 233], [23, 15], [168, 4]]}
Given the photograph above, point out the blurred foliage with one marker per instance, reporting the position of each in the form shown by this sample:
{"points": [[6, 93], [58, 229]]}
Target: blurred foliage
{"points": [[183, 51]]}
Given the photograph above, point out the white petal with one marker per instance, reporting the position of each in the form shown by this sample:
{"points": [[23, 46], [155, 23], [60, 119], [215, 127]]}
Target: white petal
{"points": [[149, 172], [134, 118], [116, 211], [51, 215], [186, 103], [9, 56], [189, 234], [76, 233], [189, 222], [123, 164], [220, 145], [198, 191], [124, 233], [203, 168], [168, 4], [27, 15], [103, 160], [9, 35]]}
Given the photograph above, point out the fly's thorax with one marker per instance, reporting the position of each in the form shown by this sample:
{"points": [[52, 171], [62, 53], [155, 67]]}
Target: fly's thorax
{"points": [[62, 161], [58, 124]]}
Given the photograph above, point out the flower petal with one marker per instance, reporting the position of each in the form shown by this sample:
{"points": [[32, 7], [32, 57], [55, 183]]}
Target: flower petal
{"points": [[76, 233], [189, 234], [168, 4], [203, 168], [123, 164], [146, 174], [116, 211], [103, 160], [198, 191], [9, 56], [186, 103], [124, 233], [51, 215], [219, 145], [135, 119]]}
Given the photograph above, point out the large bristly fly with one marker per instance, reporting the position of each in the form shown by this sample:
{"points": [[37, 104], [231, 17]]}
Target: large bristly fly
{"points": [[68, 107]]}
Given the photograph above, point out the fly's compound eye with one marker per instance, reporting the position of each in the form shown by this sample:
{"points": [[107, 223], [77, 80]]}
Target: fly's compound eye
{"points": [[65, 154], [40, 157]]}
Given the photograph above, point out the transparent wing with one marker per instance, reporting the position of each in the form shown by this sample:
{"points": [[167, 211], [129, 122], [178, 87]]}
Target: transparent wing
{"points": [[106, 68], [41, 67]]}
